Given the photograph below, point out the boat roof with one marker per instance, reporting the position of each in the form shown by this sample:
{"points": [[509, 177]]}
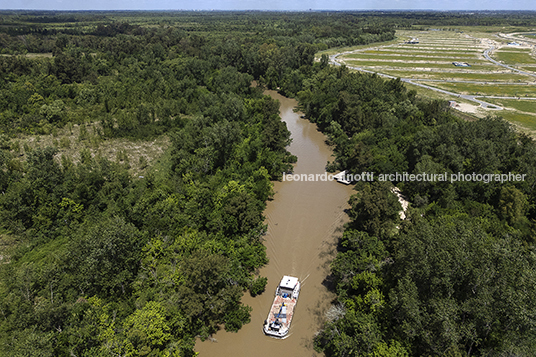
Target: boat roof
{"points": [[288, 282]]}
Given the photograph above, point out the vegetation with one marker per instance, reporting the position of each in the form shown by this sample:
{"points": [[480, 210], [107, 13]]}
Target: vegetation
{"points": [[524, 122], [455, 275], [395, 63], [490, 80], [497, 89], [98, 261], [515, 57], [521, 105], [432, 57], [401, 56]]}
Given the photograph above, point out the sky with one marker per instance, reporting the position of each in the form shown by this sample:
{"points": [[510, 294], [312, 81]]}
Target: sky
{"points": [[280, 5]]}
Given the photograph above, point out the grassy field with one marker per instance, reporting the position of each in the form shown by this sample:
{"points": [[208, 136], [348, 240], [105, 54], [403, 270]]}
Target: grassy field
{"points": [[427, 58], [423, 51], [400, 56], [515, 57], [495, 90], [423, 92], [521, 105], [413, 64], [490, 79], [72, 139], [432, 57], [336, 50], [526, 122]]}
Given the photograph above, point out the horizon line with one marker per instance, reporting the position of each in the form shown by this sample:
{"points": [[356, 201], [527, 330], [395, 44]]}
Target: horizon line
{"points": [[266, 10]]}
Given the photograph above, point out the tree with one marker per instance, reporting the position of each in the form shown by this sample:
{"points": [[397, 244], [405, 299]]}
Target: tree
{"points": [[512, 204], [104, 257], [455, 286], [258, 286], [375, 209], [147, 330]]}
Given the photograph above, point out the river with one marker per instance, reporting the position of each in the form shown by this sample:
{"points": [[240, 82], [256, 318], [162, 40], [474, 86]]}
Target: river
{"points": [[304, 220]]}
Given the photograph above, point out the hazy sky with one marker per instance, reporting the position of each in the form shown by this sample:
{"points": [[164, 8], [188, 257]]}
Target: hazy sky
{"points": [[269, 5]]}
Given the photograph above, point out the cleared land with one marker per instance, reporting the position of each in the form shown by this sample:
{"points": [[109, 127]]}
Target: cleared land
{"points": [[429, 58], [515, 57], [417, 64], [522, 90], [72, 140], [482, 78]]}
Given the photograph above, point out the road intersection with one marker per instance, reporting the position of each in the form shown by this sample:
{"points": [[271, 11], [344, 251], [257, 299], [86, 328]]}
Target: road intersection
{"points": [[474, 98]]}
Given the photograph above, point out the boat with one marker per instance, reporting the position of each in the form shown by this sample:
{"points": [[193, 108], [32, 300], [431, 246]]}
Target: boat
{"points": [[280, 316]]}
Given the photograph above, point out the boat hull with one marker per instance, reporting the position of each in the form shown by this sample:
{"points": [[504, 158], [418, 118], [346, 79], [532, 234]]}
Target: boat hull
{"points": [[281, 312]]}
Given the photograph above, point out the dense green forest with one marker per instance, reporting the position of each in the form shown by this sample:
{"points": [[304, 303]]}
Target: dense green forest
{"points": [[456, 277], [96, 261]]}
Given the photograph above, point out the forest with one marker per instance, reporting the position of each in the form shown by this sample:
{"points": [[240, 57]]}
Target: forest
{"points": [[96, 261], [457, 276]]}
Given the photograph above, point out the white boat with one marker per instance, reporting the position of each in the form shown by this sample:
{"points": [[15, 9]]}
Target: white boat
{"points": [[280, 316]]}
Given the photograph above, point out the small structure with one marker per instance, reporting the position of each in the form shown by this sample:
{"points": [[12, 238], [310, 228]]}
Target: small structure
{"points": [[461, 64], [341, 177], [413, 41]]}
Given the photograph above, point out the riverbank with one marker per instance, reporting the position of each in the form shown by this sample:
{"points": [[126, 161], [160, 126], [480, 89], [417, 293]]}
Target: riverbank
{"points": [[304, 220]]}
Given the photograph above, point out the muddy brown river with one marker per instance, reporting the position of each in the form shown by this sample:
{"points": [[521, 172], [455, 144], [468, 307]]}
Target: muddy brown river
{"points": [[304, 222]]}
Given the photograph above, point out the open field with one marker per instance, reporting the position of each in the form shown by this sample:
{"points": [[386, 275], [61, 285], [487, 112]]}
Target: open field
{"points": [[429, 55], [401, 56], [70, 141], [335, 50], [420, 52], [518, 57], [520, 105], [492, 90], [485, 78], [423, 92], [34, 55], [525, 122], [406, 48], [416, 64]]}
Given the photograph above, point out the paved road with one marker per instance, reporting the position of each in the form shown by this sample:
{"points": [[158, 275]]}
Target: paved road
{"points": [[486, 55], [474, 98], [513, 37]]}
